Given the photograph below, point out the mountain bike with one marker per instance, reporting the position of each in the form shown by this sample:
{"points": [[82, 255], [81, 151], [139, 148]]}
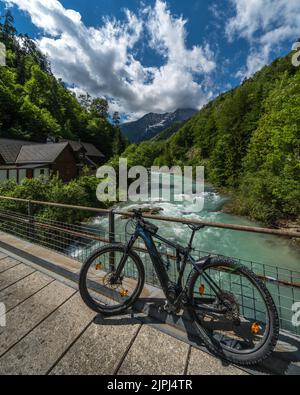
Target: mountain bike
{"points": [[233, 311]]}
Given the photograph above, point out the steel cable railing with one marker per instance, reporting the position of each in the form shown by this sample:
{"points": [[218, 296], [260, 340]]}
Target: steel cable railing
{"points": [[79, 240]]}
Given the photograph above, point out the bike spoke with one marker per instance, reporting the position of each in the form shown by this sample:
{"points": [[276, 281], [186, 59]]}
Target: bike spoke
{"points": [[115, 287]]}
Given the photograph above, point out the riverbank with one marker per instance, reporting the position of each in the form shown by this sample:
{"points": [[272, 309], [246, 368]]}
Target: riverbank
{"points": [[235, 205]]}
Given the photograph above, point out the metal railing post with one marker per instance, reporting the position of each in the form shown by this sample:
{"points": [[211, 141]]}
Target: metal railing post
{"points": [[31, 227], [111, 238]]}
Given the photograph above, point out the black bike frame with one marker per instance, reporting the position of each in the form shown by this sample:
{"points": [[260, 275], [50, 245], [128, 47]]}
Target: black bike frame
{"points": [[183, 257]]}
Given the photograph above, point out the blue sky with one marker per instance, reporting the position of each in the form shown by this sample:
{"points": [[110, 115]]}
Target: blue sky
{"points": [[153, 55]]}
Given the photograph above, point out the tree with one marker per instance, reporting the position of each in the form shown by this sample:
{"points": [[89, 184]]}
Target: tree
{"points": [[99, 108], [85, 100], [8, 30]]}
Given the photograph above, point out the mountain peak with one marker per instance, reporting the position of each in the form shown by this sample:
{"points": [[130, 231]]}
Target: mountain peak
{"points": [[152, 124]]}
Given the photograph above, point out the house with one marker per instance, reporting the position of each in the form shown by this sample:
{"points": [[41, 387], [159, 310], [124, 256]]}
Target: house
{"points": [[86, 153], [24, 159], [20, 159]]}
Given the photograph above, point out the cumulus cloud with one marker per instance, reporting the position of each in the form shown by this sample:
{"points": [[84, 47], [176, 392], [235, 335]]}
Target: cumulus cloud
{"points": [[266, 24], [103, 60]]}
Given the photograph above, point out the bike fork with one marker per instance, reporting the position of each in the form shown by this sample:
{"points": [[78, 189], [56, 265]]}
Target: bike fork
{"points": [[125, 257]]}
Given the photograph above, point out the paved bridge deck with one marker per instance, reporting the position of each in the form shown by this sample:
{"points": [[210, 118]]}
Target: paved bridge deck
{"points": [[50, 331]]}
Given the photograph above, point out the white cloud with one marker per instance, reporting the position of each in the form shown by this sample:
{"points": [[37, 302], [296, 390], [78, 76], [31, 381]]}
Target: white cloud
{"points": [[266, 24], [102, 60]]}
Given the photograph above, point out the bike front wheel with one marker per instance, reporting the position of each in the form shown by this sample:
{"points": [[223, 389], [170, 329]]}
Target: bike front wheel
{"points": [[234, 313], [102, 290]]}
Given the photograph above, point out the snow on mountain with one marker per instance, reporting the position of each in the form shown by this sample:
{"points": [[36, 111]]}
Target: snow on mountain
{"points": [[152, 124]]}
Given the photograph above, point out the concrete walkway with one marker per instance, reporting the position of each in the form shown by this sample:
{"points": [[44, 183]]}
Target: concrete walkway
{"points": [[50, 331]]}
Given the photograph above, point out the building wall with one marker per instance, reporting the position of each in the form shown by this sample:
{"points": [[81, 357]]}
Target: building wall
{"points": [[3, 175], [13, 174], [20, 174], [65, 165], [42, 172]]}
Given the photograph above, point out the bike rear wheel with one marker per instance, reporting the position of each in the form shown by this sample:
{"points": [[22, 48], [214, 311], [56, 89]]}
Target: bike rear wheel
{"points": [[101, 290], [233, 311]]}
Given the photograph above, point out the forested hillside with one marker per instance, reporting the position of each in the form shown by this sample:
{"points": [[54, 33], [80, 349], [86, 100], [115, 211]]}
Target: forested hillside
{"points": [[35, 105], [248, 139]]}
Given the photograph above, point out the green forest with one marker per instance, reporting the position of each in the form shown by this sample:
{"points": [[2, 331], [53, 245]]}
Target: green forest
{"points": [[35, 105], [248, 139]]}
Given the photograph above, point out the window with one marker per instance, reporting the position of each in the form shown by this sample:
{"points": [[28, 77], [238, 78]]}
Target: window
{"points": [[41, 172]]}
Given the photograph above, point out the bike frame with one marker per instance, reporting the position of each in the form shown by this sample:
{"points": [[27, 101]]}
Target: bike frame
{"points": [[183, 257]]}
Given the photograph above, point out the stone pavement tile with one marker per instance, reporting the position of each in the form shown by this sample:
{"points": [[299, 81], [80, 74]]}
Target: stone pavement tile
{"points": [[36, 353], [23, 289], [2, 255], [201, 363], [27, 315], [7, 263], [13, 275], [46, 254], [155, 353], [100, 349]]}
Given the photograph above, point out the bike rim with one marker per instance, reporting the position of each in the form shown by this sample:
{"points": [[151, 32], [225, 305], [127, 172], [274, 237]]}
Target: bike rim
{"points": [[104, 289], [245, 327]]}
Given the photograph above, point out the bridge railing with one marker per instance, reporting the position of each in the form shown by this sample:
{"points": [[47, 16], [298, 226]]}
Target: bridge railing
{"points": [[21, 219]]}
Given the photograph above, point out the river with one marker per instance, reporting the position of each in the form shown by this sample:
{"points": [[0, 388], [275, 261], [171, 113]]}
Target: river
{"points": [[271, 250], [273, 256]]}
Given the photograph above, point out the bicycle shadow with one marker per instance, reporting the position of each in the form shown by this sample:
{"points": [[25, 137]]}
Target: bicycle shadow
{"points": [[149, 311], [135, 315]]}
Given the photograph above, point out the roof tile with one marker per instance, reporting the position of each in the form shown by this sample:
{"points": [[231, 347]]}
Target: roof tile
{"points": [[41, 153]]}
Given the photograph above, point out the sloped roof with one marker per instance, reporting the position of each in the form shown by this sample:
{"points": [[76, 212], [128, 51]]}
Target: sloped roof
{"points": [[10, 152], [76, 145], [40, 153], [10, 149], [90, 149]]}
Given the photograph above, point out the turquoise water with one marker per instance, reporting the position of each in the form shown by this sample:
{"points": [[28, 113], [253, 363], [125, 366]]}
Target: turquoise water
{"points": [[267, 249], [276, 251], [279, 253]]}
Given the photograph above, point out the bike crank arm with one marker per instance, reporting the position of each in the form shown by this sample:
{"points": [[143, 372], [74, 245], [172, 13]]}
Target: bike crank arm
{"points": [[208, 309]]}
